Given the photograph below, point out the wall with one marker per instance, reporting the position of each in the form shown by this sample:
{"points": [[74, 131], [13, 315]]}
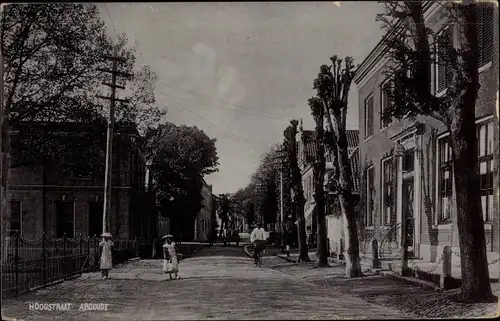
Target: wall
{"points": [[433, 237]]}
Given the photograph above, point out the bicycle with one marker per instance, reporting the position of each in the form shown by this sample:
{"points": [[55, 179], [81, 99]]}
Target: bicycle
{"points": [[260, 251]]}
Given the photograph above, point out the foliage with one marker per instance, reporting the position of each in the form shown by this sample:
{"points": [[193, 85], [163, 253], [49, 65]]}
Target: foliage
{"points": [[411, 49], [52, 53], [412, 55], [180, 156]]}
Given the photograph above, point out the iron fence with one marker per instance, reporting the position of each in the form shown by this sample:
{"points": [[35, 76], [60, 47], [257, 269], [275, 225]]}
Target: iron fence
{"points": [[29, 264]]}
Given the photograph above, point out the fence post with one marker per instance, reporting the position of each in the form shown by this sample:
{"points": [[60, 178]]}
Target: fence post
{"points": [[136, 247], [375, 258], [154, 249], [44, 257], [80, 256], [444, 280], [16, 263], [64, 257], [95, 251]]}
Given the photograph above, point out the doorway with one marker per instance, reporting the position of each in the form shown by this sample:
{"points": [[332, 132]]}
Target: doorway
{"points": [[408, 212]]}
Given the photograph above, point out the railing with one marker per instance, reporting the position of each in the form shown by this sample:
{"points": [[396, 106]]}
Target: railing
{"points": [[389, 236], [29, 264]]}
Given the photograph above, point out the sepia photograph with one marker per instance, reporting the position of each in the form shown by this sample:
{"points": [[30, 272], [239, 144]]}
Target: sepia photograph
{"points": [[312, 160]]}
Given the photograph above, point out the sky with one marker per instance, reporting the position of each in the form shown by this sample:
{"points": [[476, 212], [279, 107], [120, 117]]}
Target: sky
{"points": [[242, 71]]}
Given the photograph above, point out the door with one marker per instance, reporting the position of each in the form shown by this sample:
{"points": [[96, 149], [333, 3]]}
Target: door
{"points": [[65, 219], [408, 207], [95, 218]]}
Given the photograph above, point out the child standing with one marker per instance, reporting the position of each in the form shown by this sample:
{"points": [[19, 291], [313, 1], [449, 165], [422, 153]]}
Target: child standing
{"points": [[171, 262], [106, 257]]}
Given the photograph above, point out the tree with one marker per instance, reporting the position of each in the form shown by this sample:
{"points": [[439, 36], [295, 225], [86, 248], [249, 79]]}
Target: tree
{"points": [[332, 86], [51, 53], [224, 209], [290, 145], [319, 169], [180, 156], [411, 58]]}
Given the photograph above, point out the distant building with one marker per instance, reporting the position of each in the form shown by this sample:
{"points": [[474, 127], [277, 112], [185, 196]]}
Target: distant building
{"points": [[419, 184], [204, 221], [44, 196]]}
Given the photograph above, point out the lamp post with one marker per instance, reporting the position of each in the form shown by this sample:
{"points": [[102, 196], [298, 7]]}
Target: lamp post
{"points": [[399, 152]]}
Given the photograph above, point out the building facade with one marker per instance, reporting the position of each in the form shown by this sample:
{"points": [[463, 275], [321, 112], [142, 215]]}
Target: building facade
{"points": [[406, 165], [306, 155], [204, 221], [46, 199]]}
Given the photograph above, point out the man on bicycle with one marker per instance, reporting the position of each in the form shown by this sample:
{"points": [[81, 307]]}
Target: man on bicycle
{"points": [[258, 239]]}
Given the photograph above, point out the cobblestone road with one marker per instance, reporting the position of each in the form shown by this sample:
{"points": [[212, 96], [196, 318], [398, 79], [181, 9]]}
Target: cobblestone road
{"points": [[211, 287]]}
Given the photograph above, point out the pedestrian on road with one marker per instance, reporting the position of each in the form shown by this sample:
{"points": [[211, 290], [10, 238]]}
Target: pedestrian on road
{"points": [[106, 258], [170, 260]]}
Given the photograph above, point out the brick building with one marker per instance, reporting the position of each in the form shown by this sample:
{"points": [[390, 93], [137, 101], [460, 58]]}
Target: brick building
{"points": [[70, 202], [306, 155], [203, 223], [419, 184]]}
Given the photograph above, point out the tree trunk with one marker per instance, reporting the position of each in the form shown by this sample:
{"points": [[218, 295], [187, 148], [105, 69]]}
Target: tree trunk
{"points": [[298, 191], [353, 264], [319, 169], [474, 263]]}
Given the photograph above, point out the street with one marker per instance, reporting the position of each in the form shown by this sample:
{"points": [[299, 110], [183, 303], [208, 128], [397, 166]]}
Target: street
{"points": [[211, 287]]}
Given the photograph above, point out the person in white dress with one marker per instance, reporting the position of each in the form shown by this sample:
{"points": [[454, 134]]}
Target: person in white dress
{"points": [[105, 247], [170, 260]]}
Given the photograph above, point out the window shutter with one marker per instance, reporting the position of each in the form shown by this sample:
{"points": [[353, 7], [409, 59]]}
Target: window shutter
{"points": [[487, 37], [443, 41]]}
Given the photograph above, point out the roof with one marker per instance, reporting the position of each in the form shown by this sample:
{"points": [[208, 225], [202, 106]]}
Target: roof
{"points": [[352, 136], [310, 148]]}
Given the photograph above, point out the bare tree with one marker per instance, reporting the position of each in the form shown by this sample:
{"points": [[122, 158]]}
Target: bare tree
{"points": [[411, 57], [319, 169], [332, 87], [290, 145]]}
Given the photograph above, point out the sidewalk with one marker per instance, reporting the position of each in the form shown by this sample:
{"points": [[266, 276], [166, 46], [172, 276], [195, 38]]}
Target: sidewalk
{"points": [[390, 292]]}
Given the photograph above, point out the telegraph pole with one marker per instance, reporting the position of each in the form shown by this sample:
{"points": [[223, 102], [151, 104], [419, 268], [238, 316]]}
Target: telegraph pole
{"points": [[110, 132], [280, 162]]}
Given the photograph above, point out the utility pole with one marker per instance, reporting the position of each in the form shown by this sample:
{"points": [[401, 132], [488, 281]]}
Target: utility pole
{"points": [[110, 132], [280, 162]]}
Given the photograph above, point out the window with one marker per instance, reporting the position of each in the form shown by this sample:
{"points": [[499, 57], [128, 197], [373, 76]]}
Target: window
{"points": [[444, 181], [370, 193], [95, 218], [387, 191], [484, 33], [385, 90], [15, 218], [369, 116], [65, 219], [485, 150], [443, 69], [409, 160]]}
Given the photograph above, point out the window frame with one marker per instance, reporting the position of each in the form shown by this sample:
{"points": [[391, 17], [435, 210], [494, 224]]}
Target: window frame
{"points": [[388, 160], [487, 158], [10, 230], [383, 126], [370, 197], [440, 168], [74, 216], [368, 128]]}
